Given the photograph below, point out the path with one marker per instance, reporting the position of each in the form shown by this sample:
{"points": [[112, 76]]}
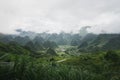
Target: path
{"points": [[61, 60]]}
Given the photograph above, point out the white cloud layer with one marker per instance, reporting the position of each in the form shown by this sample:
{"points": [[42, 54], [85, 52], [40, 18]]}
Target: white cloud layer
{"points": [[59, 15]]}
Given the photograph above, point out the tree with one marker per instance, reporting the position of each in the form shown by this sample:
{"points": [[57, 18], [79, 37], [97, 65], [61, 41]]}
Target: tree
{"points": [[84, 44], [38, 46], [112, 56], [51, 51], [30, 46]]}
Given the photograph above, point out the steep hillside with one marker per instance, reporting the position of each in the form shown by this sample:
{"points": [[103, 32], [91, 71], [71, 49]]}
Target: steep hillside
{"points": [[101, 42], [113, 43], [13, 48]]}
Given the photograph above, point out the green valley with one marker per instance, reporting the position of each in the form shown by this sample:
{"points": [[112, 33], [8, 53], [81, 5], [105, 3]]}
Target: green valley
{"points": [[94, 57]]}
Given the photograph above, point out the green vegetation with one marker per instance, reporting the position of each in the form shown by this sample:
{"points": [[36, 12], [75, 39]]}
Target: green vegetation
{"points": [[85, 67], [44, 58]]}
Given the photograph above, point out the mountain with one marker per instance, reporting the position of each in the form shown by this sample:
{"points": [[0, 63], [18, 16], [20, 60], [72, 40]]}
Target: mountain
{"points": [[30, 46], [6, 38], [100, 42], [39, 40], [21, 40], [89, 37], [13, 47], [113, 43], [38, 46], [50, 44], [51, 51], [76, 40], [23, 33]]}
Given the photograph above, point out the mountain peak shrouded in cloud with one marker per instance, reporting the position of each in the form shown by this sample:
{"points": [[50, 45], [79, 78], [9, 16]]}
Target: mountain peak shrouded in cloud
{"points": [[59, 15], [18, 30], [23, 33], [83, 31]]}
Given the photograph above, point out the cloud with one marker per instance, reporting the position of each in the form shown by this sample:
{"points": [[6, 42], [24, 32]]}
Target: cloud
{"points": [[59, 15]]}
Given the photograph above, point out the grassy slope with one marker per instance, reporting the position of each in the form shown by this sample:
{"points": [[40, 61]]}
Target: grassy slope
{"points": [[68, 67]]}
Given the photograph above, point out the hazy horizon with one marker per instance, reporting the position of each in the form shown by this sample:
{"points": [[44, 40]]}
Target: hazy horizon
{"points": [[54, 16]]}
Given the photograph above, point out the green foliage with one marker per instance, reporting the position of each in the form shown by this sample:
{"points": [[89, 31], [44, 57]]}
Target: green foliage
{"points": [[84, 67], [97, 65], [38, 60], [30, 46], [13, 48], [101, 42], [38, 46], [112, 56], [84, 44], [21, 40], [113, 44], [89, 67], [50, 44], [51, 51], [76, 40]]}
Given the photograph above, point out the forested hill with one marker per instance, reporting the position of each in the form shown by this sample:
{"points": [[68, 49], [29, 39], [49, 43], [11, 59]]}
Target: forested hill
{"points": [[89, 42], [101, 42], [62, 56]]}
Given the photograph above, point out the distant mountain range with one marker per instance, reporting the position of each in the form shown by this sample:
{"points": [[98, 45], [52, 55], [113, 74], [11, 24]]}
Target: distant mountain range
{"points": [[89, 42], [100, 42]]}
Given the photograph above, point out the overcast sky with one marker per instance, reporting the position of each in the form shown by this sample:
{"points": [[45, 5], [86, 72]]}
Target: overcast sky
{"points": [[59, 15]]}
